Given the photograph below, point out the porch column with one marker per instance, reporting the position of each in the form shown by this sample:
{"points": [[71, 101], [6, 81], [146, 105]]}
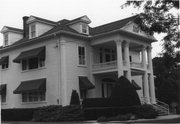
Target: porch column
{"points": [[119, 58], [63, 80], [126, 55], [151, 76], [145, 76]]}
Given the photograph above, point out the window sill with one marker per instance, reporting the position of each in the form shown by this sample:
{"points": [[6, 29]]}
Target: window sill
{"points": [[38, 102], [4, 69], [4, 103], [83, 66], [33, 69]]}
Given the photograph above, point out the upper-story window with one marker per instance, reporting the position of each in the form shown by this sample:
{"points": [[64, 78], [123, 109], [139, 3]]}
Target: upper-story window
{"points": [[32, 63], [84, 29], [81, 53], [107, 55], [4, 62], [31, 59], [32, 31], [5, 39], [136, 28]]}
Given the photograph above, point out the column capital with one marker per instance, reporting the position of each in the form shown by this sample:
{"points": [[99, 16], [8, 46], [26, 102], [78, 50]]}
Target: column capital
{"points": [[126, 43], [149, 48], [143, 47], [118, 42]]}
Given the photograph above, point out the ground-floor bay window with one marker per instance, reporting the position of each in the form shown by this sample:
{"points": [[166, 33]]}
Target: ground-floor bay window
{"points": [[33, 97], [32, 90]]}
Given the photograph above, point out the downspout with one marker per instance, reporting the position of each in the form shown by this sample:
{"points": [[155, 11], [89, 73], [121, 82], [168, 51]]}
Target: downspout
{"points": [[59, 98]]}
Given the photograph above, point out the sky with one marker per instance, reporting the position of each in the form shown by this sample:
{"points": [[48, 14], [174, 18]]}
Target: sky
{"points": [[99, 11]]}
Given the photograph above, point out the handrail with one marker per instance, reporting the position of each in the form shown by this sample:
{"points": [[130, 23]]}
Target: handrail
{"points": [[161, 104]]}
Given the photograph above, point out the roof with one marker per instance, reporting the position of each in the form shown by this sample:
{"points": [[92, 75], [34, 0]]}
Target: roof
{"points": [[44, 20], [62, 26], [111, 26], [12, 28]]}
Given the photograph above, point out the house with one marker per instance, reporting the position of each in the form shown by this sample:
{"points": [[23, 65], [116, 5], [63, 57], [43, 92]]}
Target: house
{"points": [[43, 62]]}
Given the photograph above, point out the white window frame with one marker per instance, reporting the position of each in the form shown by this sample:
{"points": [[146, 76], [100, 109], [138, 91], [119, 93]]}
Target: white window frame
{"points": [[81, 58], [41, 64], [33, 97], [84, 28], [33, 33], [6, 38]]}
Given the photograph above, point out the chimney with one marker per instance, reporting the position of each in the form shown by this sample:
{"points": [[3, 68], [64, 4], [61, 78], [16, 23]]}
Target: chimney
{"points": [[25, 27]]}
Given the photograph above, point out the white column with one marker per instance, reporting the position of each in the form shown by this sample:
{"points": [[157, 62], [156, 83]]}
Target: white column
{"points": [[145, 76], [151, 78], [119, 58], [126, 55], [63, 73]]}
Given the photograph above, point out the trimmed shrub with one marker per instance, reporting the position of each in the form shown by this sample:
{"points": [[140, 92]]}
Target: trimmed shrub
{"points": [[17, 114], [147, 112], [56, 113], [102, 119], [74, 98]]}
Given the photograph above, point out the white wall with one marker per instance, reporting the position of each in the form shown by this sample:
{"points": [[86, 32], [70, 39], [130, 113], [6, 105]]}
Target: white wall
{"points": [[14, 75], [42, 28]]}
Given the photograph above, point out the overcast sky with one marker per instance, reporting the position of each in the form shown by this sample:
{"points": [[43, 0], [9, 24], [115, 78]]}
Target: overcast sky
{"points": [[99, 11]]}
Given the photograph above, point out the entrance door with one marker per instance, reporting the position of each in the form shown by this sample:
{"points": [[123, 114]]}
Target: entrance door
{"points": [[107, 85]]}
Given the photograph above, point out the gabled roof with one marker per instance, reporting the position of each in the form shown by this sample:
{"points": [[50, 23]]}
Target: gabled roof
{"points": [[82, 18], [7, 28], [111, 26], [33, 18]]}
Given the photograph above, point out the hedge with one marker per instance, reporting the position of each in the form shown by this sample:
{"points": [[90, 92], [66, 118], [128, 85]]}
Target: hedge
{"points": [[17, 114], [55, 113]]}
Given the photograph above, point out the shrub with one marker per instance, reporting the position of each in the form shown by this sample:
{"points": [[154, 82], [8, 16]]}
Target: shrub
{"points": [[147, 111], [102, 119], [74, 98], [58, 113], [17, 114]]}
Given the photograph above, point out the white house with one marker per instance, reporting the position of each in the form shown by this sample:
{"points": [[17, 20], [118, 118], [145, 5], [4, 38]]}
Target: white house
{"points": [[43, 62]]}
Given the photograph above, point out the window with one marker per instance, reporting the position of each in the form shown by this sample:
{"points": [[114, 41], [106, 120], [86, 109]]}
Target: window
{"points": [[107, 55], [135, 28], [81, 52], [32, 63], [5, 65], [3, 98], [83, 94], [33, 31], [106, 89], [6, 39], [33, 97], [84, 28]]}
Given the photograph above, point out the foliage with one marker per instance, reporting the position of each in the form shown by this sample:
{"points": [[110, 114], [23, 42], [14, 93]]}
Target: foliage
{"points": [[157, 17], [55, 113], [166, 70], [17, 114], [147, 112], [74, 98]]}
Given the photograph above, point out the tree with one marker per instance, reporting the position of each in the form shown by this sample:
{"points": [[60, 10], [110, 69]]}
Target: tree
{"points": [[167, 72], [157, 17], [74, 98]]}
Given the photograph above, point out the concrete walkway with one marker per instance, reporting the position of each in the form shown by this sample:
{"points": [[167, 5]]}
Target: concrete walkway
{"points": [[95, 122]]}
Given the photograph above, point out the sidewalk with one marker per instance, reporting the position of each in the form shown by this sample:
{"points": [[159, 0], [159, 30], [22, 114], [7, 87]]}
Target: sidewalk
{"points": [[160, 118]]}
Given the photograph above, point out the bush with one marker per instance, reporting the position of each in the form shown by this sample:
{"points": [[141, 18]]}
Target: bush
{"points": [[17, 114], [74, 98], [102, 119], [56, 113], [147, 112]]}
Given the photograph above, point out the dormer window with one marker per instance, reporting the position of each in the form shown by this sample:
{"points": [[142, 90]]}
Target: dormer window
{"points": [[84, 29], [5, 39], [32, 31], [136, 28]]}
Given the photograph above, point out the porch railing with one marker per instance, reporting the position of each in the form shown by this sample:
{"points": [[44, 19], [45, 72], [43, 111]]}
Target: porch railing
{"points": [[113, 65], [105, 66], [136, 65]]}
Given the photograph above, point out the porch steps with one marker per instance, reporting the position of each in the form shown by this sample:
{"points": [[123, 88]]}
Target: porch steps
{"points": [[161, 110]]}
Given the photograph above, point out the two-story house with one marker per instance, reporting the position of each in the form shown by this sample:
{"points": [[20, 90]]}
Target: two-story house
{"points": [[43, 62]]}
